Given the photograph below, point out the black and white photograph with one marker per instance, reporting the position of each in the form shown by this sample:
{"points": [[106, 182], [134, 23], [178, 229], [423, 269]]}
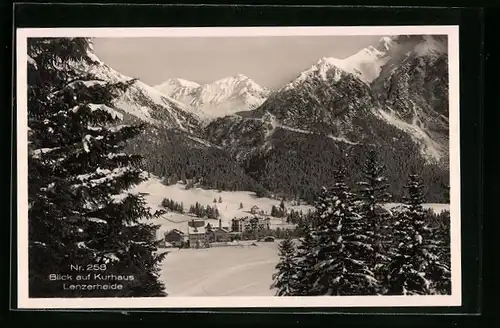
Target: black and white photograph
{"points": [[206, 167]]}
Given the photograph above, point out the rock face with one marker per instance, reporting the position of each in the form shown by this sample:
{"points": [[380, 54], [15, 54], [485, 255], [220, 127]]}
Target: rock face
{"points": [[412, 90], [399, 84], [220, 98]]}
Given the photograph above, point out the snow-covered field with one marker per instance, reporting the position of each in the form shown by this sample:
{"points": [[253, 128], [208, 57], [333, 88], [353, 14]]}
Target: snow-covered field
{"points": [[221, 271], [155, 191]]}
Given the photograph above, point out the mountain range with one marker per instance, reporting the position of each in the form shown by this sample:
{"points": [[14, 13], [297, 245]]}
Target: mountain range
{"points": [[233, 134], [220, 98]]}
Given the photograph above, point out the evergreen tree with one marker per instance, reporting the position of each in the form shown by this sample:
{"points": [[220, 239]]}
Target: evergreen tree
{"points": [[79, 212], [415, 268], [285, 279], [274, 211], [220, 199], [344, 255], [372, 193], [306, 259]]}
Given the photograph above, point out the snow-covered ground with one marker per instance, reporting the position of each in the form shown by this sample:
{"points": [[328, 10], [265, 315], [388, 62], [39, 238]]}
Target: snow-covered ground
{"points": [[155, 191], [435, 207], [236, 270], [221, 271]]}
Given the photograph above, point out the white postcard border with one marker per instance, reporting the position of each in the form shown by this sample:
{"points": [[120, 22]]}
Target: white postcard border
{"points": [[25, 302]]}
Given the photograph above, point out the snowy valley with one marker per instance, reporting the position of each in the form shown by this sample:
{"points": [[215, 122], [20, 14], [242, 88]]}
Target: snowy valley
{"points": [[353, 154]]}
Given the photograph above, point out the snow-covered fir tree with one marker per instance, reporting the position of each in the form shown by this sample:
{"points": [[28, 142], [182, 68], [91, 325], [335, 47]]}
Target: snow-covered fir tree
{"points": [[80, 213], [285, 278], [415, 268], [306, 258], [372, 192], [345, 251]]}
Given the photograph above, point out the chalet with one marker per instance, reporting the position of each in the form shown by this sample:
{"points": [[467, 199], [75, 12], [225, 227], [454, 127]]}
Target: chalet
{"points": [[254, 209], [175, 237]]}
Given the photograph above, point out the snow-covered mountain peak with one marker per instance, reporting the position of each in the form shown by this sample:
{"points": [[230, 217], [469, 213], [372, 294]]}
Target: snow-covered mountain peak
{"points": [[384, 44], [222, 97], [175, 84], [235, 81], [430, 46], [182, 83], [140, 101], [367, 63]]}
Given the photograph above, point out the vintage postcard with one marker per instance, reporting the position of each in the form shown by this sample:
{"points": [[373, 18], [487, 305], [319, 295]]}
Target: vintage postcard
{"points": [[238, 167]]}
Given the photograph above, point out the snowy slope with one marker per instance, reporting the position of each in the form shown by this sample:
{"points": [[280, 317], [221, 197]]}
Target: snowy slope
{"points": [[367, 63], [364, 65], [220, 98], [141, 101], [402, 80], [156, 191]]}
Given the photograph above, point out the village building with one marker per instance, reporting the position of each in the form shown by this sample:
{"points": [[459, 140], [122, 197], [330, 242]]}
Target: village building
{"points": [[197, 237], [217, 234], [175, 237], [241, 224], [237, 224], [254, 209], [234, 235]]}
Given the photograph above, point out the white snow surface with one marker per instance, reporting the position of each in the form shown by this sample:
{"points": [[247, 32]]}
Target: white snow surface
{"points": [[219, 98], [221, 271], [155, 191]]}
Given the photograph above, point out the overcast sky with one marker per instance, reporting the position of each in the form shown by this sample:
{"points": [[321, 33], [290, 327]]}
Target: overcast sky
{"points": [[269, 61]]}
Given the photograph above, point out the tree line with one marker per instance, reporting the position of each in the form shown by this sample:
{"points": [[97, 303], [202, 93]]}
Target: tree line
{"points": [[210, 212], [356, 247], [173, 205]]}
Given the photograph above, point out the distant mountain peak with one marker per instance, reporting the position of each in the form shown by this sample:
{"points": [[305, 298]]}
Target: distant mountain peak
{"points": [[176, 82], [367, 63], [225, 96]]}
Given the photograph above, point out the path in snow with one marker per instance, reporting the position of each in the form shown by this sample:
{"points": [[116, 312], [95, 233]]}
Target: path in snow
{"points": [[275, 124]]}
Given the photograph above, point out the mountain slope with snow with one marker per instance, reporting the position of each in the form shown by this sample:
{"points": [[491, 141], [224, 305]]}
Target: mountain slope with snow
{"points": [[141, 101], [338, 108], [220, 98]]}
